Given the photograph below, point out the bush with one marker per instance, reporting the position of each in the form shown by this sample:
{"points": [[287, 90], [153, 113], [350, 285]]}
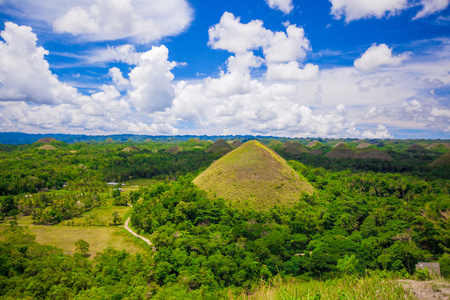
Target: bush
{"points": [[423, 274]]}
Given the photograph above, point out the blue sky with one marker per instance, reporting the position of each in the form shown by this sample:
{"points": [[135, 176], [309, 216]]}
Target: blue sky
{"points": [[326, 68]]}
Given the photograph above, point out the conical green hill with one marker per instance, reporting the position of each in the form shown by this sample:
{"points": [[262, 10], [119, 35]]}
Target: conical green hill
{"points": [[235, 144], [294, 148], [46, 140], [253, 176], [444, 160], [174, 149], [219, 147]]}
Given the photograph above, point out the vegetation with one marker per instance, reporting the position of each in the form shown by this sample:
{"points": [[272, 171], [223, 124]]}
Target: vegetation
{"points": [[366, 222]]}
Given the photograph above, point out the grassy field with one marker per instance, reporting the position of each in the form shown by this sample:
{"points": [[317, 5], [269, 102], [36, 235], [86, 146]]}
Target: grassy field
{"points": [[64, 237], [373, 287], [99, 216], [134, 184]]}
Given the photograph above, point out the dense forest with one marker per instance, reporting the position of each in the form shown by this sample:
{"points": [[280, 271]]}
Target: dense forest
{"points": [[366, 216]]}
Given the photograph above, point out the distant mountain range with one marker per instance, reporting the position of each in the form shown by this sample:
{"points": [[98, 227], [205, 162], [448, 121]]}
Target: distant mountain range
{"points": [[18, 138]]}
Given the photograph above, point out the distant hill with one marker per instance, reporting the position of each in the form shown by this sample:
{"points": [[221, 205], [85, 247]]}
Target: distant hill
{"points": [[372, 154], [253, 176], [363, 145], [342, 151], [341, 145], [313, 143], [46, 140], [439, 146], [444, 160], [131, 149], [235, 144], [416, 147], [174, 149], [47, 147], [294, 148], [219, 147]]}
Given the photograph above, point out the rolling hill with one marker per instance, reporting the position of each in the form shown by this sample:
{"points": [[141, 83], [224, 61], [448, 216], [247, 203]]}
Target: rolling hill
{"points": [[253, 176]]}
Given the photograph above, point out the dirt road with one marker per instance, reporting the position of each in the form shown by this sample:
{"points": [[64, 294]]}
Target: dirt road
{"points": [[137, 235]]}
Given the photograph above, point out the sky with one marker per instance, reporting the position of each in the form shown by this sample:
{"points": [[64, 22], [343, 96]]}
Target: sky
{"points": [[289, 68]]}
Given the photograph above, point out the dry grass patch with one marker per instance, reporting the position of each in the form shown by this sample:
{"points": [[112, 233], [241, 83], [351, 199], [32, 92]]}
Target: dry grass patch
{"points": [[99, 216], [64, 237]]}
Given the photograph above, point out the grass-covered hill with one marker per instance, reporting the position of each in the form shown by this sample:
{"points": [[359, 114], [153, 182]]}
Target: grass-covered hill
{"points": [[294, 148], [444, 160], [253, 176], [219, 147], [46, 140]]}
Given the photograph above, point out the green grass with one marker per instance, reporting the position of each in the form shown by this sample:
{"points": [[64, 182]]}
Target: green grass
{"points": [[64, 237], [253, 176], [367, 288], [99, 216]]}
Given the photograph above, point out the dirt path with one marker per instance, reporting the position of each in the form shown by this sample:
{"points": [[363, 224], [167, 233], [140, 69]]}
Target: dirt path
{"points": [[137, 235], [431, 289]]}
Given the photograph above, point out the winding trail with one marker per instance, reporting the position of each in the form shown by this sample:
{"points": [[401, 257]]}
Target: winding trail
{"points": [[135, 234]]}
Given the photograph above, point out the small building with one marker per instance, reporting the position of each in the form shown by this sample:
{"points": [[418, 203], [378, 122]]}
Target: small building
{"points": [[113, 183]]}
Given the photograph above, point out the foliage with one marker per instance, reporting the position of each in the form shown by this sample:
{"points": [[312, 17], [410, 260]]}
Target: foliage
{"points": [[82, 247]]}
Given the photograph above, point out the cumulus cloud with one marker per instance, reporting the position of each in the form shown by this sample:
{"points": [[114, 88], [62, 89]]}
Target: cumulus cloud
{"points": [[283, 47], [119, 81], [151, 81], [283, 52], [24, 72], [360, 9], [292, 71], [430, 7], [143, 20], [412, 106], [380, 133], [284, 5], [232, 35], [445, 113], [377, 56], [30, 93]]}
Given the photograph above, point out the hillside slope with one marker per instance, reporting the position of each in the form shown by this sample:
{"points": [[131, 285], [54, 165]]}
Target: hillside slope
{"points": [[253, 176]]}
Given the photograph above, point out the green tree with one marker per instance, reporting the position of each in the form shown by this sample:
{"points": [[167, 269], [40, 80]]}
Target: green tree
{"points": [[82, 247], [116, 218]]}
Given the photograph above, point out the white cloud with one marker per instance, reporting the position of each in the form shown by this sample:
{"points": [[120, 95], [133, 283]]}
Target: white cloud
{"points": [[284, 5], [119, 81], [124, 53], [24, 72], [151, 81], [232, 35], [370, 83], [445, 113], [380, 133], [377, 56], [360, 9], [430, 7], [287, 47], [95, 20], [282, 51], [292, 71], [38, 94], [412, 106]]}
